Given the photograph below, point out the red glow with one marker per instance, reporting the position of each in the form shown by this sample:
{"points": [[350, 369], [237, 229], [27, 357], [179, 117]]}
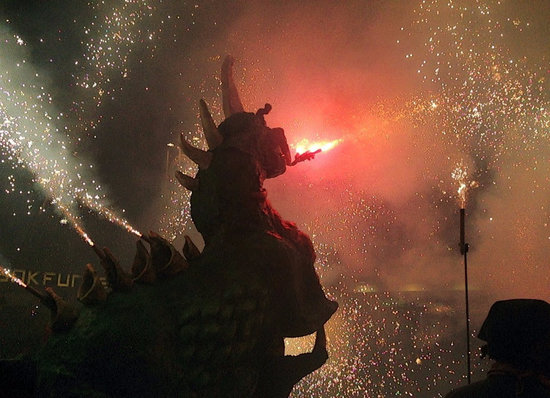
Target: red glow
{"points": [[305, 145]]}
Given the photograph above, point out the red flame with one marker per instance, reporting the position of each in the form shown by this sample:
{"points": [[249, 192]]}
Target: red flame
{"points": [[306, 146]]}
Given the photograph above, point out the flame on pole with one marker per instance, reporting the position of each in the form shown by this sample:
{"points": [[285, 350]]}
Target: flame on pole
{"points": [[460, 174]]}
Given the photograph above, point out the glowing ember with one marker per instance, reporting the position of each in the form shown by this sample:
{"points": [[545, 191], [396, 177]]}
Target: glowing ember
{"points": [[7, 272], [306, 146], [83, 234], [460, 175], [69, 217]]}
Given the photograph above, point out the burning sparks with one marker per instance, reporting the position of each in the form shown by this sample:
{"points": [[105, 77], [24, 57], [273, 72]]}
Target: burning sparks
{"points": [[108, 214], [460, 175], [306, 146], [31, 138], [7, 272], [70, 218], [491, 101], [83, 234]]}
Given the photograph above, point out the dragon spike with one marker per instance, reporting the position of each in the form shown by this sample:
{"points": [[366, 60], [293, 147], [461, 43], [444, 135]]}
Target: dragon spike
{"points": [[91, 290], [166, 260], [63, 314], [142, 268], [200, 157], [116, 277], [231, 101], [188, 182], [211, 132], [190, 250]]}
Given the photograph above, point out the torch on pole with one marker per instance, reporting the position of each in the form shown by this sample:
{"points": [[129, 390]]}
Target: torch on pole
{"points": [[464, 251]]}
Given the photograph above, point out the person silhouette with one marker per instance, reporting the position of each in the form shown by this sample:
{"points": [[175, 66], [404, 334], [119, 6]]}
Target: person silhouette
{"points": [[517, 333]]}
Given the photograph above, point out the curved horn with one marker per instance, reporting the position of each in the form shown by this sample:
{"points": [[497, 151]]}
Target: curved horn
{"points": [[188, 182], [200, 157], [211, 132], [91, 290], [142, 268], [190, 250], [63, 314], [231, 101], [166, 260], [116, 277]]}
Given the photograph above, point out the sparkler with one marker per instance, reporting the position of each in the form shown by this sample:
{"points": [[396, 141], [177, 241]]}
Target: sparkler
{"points": [[460, 174], [71, 219], [63, 315], [84, 235], [109, 215]]}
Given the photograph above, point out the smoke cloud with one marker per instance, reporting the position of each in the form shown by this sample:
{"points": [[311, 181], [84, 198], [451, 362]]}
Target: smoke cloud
{"points": [[384, 199], [382, 205]]}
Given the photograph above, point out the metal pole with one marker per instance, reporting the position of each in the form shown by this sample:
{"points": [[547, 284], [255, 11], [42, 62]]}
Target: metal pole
{"points": [[468, 352], [464, 251]]}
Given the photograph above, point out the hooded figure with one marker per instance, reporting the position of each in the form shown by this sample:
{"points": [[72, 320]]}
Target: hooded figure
{"points": [[517, 333]]}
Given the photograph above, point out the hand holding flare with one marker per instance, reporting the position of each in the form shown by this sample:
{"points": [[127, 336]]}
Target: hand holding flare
{"points": [[307, 155]]}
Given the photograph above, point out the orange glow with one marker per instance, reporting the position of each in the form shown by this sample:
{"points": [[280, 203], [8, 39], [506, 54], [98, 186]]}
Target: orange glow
{"points": [[462, 194], [305, 145], [11, 276], [70, 218], [83, 234], [460, 175]]}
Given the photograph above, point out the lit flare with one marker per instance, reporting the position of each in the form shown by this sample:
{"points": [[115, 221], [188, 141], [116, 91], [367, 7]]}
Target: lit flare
{"points": [[306, 146]]}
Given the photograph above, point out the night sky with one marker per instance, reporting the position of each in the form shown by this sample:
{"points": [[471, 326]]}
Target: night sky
{"points": [[420, 97]]}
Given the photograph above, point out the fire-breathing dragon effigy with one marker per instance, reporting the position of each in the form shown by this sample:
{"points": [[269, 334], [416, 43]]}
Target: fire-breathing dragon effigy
{"points": [[196, 324]]}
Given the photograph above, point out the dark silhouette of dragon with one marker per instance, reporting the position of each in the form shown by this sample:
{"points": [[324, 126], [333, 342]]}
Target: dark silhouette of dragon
{"points": [[197, 324]]}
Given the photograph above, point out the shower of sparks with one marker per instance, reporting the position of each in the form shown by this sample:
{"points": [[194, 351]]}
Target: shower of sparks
{"points": [[385, 345], [176, 215], [88, 201], [490, 101], [487, 104], [74, 222], [460, 175], [9, 274], [111, 37], [31, 139]]}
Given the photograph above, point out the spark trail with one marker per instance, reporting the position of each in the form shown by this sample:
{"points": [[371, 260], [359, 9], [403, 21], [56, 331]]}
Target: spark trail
{"points": [[30, 139]]}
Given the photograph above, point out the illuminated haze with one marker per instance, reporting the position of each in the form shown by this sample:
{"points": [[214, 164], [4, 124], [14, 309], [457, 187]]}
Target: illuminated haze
{"points": [[417, 91], [384, 200], [388, 80]]}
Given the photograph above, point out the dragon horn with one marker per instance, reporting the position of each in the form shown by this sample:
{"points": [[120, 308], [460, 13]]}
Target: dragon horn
{"points": [[200, 157], [231, 101], [91, 290], [211, 132]]}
